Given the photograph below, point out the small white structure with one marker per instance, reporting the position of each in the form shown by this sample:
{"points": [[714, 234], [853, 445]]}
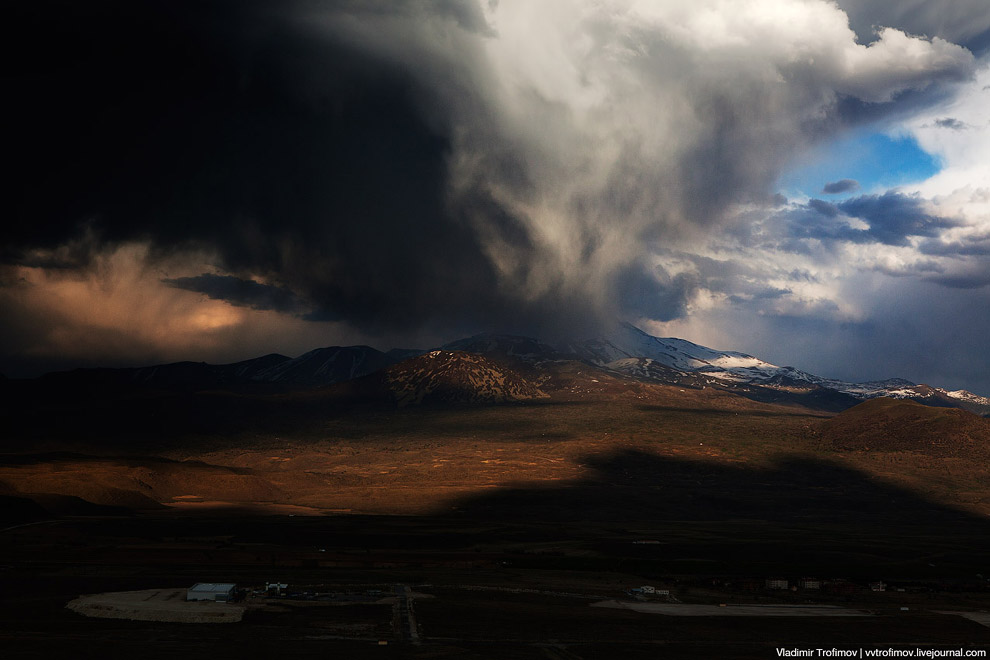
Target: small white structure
{"points": [[777, 583], [220, 592], [648, 590], [275, 588], [878, 586], [810, 583]]}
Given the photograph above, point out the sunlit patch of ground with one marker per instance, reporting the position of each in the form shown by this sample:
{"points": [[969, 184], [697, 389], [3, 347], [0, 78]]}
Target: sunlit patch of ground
{"points": [[168, 605]]}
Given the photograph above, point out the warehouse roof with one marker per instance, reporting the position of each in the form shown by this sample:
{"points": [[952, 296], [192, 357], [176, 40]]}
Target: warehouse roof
{"points": [[212, 586]]}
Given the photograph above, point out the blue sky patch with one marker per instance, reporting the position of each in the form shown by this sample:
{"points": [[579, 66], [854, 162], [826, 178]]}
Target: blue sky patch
{"points": [[876, 160]]}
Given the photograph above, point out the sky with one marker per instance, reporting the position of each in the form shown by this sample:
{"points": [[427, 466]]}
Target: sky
{"points": [[807, 181]]}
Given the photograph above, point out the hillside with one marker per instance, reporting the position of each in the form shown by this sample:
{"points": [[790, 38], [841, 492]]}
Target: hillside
{"points": [[456, 377], [891, 425], [324, 366]]}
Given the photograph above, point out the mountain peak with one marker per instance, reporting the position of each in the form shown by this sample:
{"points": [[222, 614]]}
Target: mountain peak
{"points": [[443, 376], [326, 365]]}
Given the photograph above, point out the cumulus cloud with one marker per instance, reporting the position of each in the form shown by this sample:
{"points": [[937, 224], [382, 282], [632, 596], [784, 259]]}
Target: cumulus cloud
{"points": [[962, 184]]}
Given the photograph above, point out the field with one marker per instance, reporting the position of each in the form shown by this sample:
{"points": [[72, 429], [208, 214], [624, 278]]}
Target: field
{"points": [[509, 521]]}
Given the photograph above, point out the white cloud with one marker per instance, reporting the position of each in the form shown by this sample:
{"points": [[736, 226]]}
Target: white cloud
{"points": [[958, 133]]}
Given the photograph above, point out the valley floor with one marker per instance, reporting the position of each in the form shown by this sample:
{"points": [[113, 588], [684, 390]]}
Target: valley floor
{"points": [[516, 519], [485, 589]]}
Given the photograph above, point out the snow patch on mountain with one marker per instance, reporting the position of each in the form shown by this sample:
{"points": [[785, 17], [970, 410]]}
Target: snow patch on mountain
{"points": [[964, 395], [618, 348]]}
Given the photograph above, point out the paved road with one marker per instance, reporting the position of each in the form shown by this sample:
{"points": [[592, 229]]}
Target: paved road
{"points": [[407, 616]]}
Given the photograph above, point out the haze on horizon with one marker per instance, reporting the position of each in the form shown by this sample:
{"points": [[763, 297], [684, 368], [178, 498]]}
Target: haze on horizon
{"points": [[803, 180]]}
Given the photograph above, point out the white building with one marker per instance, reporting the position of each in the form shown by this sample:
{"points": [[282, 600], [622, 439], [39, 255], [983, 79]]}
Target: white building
{"points": [[220, 592]]}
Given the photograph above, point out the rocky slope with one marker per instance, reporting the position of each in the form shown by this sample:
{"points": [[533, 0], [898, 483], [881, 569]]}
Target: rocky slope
{"points": [[456, 377]]}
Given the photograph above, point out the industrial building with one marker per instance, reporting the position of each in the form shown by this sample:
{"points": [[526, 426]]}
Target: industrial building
{"points": [[220, 592]]}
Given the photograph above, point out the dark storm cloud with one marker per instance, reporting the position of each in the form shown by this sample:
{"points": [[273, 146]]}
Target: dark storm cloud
{"points": [[977, 246], [841, 186], [797, 275], [223, 126], [827, 209], [925, 267], [852, 112], [950, 123], [768, 293], [971, 278], [238, 292], [722, 275], [771, 293], [654, 293], [467, 15], [810, 222], [965, 22], [893, 217]]}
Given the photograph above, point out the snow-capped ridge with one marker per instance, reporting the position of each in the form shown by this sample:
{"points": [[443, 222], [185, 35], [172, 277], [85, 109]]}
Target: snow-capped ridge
{"points": [[965, 395], [626, 342]]}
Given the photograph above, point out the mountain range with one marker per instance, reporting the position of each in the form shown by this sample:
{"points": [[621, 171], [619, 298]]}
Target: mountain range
{"points": [[517, 367]]}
